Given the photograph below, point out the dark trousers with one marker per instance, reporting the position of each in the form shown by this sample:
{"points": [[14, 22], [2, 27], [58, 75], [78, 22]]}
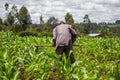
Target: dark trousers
{"points": [[64, 49]]}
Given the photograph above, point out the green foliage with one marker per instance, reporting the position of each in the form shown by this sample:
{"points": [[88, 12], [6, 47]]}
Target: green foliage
{"points": [[86, 25], [86, 19], [41, 20], [69, 19], [11, 15], [34, 27], [1, 22], [23, 16], [113, 25], [27, 33], [48, 34], [10, 19], [50, 24], [6, 6], [117, 71], [96, 59], [4, 27], [16, 28], [37, 34], [117, 21]]}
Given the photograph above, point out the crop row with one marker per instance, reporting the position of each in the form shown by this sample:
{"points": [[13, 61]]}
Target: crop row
{"points": [[96, 59]]}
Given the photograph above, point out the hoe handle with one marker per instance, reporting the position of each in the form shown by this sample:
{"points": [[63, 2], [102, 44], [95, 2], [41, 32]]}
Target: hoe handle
{"points": [[50, 45]]}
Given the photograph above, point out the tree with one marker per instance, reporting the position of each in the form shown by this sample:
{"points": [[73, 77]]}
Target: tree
{"points": [[69, 19], [41, 20], [86, 25], [6, 6], [86, 19], [24, 17], [42, 25], [10, 15], [51, 23], [10, 19], [14, 12], [1, 21], [117, 22]]}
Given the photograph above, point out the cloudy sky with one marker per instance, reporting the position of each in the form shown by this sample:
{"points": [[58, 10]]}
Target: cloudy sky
{"points": [[98, 10]]}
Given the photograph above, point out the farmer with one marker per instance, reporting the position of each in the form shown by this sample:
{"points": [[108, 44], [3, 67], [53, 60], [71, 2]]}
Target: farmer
{"points": [[63, 38]]}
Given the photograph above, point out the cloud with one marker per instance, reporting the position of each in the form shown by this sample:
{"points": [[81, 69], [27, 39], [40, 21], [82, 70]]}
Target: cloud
{"points": [[98, 10], [107, 1], [93, 6]]}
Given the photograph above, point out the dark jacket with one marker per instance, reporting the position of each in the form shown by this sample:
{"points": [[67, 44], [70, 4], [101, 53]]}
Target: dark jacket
{"points": [[64, 35]]}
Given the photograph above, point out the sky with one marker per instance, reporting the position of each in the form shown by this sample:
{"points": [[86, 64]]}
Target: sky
{"points": [[98, 10]]}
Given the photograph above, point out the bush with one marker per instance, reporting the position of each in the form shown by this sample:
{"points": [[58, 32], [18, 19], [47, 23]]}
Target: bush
{"points": [[31, 33], [4, 28], [47, 34], [27, 33]]}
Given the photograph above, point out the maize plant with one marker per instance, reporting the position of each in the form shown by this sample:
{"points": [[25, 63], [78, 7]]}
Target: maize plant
{"points": [[96, 59]]}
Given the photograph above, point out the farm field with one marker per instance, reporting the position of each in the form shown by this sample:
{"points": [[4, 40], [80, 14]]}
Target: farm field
{"points": [[96, 59], [114, 25]]}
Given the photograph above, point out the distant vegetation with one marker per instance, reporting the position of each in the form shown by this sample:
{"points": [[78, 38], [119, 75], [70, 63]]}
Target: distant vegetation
{"points": [[114, 25], [20, 21]]}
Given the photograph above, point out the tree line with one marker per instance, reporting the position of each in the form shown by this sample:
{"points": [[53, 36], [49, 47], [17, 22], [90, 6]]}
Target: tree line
{"points": [[19, 21]]}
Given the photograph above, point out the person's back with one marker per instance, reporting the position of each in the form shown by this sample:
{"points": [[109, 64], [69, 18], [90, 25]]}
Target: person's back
{"points": [[63, 34]]}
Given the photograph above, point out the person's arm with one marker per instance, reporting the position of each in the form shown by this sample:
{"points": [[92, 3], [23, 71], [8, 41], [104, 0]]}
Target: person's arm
{"points": [[54, 36], [73, 33]]}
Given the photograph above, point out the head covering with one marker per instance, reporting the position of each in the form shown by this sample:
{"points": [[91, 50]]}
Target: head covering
{"points": [[60, 22]]}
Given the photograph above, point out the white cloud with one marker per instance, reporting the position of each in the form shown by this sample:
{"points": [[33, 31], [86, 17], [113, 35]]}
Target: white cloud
{"points": [[107, 1], [98, 10], [93, 6]]}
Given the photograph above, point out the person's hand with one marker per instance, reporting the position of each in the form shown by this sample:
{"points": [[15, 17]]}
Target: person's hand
{"points": [[54, 40]]}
